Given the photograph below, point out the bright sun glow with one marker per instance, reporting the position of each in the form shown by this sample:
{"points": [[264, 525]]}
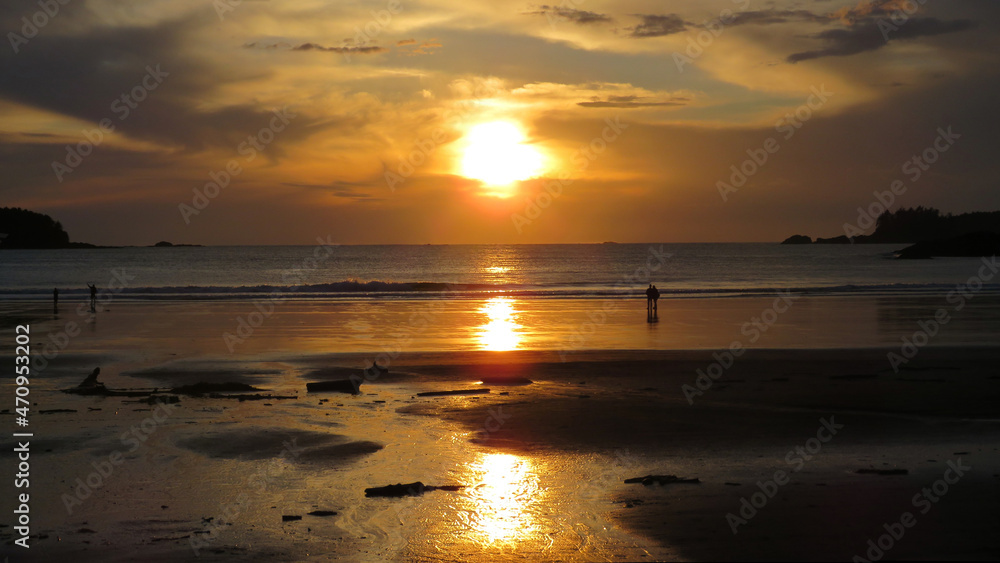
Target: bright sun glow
{"points": [[495, 154]]}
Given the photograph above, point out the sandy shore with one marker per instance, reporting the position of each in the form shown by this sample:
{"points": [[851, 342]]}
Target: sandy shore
{"points": [[211, 478], [744, 429]]}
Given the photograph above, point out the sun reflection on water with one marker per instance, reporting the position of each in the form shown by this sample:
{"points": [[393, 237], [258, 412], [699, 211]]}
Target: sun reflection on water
{"points": [[503, 501], [501, 331]]}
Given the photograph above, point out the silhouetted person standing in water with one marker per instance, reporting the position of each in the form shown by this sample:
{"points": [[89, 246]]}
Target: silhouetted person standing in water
{"points": [[55, 298], [649, 301], [656, 297], [93, 298]]}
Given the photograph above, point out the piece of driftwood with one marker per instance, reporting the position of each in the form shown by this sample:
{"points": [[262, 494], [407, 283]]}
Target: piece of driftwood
{"points": [[205, 388], [101, 391], [661, 480], [408, 489], [455, 392], [352, 386], [883, 471]]}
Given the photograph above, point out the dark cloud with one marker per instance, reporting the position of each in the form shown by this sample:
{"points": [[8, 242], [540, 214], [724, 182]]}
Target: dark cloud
{"points": [[768, 17], [354, 191], [657, 25], [85, 74], [349, 49], [871, 34], [626, 102], [345, 49], [572, 14]]}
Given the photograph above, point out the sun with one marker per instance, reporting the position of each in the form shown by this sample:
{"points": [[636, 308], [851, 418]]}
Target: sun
{"points": [[495, 154]]}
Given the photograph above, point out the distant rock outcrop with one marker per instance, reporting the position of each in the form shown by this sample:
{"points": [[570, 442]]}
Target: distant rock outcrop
{"points": [[971, 245], [797, 239], [166, 244]]}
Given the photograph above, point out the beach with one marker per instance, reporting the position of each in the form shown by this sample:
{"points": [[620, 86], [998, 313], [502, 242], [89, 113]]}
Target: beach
{"points": [[543, 463], [455, 281]]}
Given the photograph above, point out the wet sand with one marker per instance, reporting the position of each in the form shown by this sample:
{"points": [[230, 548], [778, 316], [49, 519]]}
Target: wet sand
{"points": [[742, 431], [544, 462]]}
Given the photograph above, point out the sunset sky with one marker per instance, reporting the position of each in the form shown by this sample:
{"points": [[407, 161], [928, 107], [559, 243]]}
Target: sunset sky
{"points": [[443, 121]]}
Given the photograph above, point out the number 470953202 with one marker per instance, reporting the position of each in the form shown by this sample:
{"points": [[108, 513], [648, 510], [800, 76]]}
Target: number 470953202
{"points": [[21, 360]]}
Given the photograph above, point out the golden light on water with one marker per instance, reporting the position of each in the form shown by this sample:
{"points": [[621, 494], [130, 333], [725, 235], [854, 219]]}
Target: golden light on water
{"points": [[501, 331], [504, 499]]}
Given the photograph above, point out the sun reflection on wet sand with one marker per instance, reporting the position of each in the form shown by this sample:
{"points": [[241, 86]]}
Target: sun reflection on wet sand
{"points": [[501, 331], [504, 499]]}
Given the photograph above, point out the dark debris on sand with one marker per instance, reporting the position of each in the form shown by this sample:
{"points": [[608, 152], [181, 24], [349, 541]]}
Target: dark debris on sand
{"points": [[454, 392], [661, 480], [883, 472], [203, 388], [408, 489]]}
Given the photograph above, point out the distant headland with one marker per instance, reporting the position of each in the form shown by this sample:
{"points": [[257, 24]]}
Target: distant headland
{"points": [[24, 229], [912, 225], [931, 232]]}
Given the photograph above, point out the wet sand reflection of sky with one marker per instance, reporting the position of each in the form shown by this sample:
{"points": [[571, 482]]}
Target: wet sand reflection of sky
{"points": [[502, 503]]}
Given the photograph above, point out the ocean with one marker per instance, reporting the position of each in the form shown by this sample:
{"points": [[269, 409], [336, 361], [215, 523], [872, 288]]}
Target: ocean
{"points": [[526, 271]]}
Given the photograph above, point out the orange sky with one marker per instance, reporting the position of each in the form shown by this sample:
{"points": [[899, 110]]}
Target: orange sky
{"points": [[620, 120]]}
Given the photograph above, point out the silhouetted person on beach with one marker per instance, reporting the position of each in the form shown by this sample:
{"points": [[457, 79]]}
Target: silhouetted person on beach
{"points": [[93, 298], [91, 380], [652, 294], [55, 298]]}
